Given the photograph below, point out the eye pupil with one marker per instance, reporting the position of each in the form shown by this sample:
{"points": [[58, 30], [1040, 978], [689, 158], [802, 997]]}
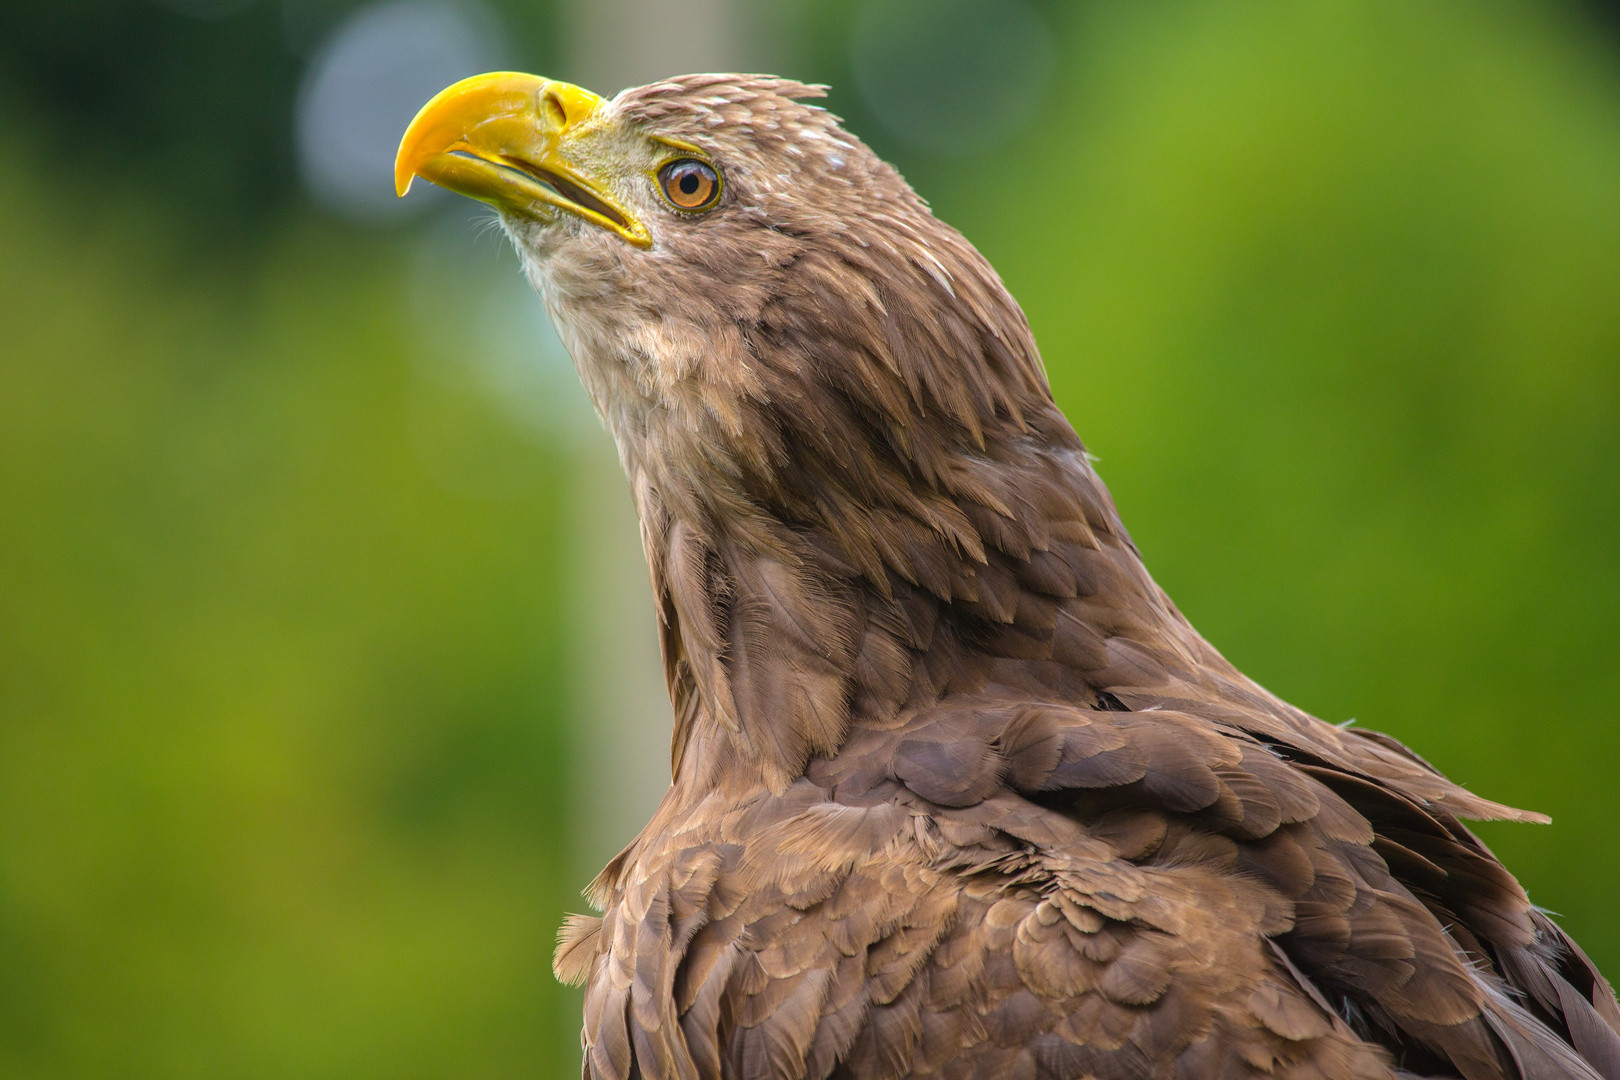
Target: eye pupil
{"points": [[690, 184]]}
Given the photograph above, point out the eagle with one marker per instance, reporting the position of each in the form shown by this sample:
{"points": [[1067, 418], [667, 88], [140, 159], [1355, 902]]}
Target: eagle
{"points": [[956, 790]]}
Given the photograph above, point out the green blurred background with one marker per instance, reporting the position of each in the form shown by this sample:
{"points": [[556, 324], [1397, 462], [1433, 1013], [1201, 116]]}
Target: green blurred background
{"points": [[307, 693]]}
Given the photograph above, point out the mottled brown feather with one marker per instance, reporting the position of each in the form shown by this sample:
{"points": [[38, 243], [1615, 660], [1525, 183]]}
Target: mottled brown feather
{"points": [[957, 791]]}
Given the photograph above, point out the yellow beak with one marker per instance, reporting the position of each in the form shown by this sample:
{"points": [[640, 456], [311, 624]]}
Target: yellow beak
{"points": [[499, 138]]}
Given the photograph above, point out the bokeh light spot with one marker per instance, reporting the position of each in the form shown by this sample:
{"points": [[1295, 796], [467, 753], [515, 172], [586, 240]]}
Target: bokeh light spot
{"points": [[364, 85]]}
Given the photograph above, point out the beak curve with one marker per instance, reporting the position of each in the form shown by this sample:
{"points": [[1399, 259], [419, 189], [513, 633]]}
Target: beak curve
{"points": [[497, 138]]}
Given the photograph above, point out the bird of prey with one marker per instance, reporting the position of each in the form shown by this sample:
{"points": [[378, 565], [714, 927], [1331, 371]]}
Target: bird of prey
{"points": [[957, 791]]}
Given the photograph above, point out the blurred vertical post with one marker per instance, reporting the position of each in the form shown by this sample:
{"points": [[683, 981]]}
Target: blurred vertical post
{"points": [[617, 43], [621, 708]]}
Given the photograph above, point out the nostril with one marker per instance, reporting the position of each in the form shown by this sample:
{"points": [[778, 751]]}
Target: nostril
{"points": [[551, 104]]}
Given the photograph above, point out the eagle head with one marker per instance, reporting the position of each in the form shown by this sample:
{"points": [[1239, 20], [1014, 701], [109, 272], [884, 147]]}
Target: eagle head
{"points": [[738, 279]]}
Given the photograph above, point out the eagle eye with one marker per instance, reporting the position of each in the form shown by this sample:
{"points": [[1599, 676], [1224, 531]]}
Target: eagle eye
{"points": [[690, 184]]}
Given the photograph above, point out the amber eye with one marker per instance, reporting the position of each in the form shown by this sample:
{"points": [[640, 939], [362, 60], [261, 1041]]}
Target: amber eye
{"points": [[690, 184]]}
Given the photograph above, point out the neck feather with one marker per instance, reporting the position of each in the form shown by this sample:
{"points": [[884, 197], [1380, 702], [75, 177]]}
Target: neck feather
{"points": [[848, 472]]}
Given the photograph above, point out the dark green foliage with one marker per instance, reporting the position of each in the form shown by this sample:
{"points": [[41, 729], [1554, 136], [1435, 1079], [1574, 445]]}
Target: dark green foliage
{"points": [[194, 112]]}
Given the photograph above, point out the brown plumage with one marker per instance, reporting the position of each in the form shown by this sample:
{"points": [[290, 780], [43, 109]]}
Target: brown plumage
{"points": [[957, 791]]}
